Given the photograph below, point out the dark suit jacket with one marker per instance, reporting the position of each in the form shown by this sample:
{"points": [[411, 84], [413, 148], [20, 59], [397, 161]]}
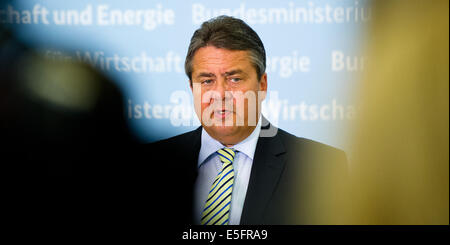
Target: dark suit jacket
{"points": [[286, 173]]}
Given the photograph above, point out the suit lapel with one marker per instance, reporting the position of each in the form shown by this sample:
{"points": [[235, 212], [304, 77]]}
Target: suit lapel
{"points": [[191, 143], [194, 141], [267, 167]]}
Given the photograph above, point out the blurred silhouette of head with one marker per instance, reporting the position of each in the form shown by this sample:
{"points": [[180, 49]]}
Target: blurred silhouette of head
{"points": [[65, 115]]}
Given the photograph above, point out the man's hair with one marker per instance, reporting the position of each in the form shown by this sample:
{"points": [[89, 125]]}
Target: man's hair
{"points": [[227, 33]]}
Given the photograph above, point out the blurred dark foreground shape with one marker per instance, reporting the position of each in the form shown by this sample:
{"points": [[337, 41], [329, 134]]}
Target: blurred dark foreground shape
{"points": [[64, 133], [64, 118]]}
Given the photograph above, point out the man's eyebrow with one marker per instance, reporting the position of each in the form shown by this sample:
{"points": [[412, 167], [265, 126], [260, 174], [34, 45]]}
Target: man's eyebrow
{"points": [[205, 74], [233, 72]]}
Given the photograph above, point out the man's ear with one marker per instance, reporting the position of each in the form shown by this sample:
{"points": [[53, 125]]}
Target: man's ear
{"points": [[263, 87], [190, 85], [263, 82]]}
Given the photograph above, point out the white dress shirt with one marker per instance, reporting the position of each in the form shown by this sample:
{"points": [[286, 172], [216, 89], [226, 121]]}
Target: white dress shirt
{"points": [[209, 165]]}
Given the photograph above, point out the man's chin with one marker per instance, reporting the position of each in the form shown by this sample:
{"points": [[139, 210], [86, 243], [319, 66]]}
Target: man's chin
{"points": [[228, 135], [223, 129], [221, 132], [222, 123]]}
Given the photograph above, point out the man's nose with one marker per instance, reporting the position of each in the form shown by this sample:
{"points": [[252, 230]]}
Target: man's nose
{"points": [[221, 88]]}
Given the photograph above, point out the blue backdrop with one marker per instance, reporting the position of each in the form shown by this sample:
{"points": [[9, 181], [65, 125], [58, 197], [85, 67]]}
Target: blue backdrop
{"points": [[313, 51]]}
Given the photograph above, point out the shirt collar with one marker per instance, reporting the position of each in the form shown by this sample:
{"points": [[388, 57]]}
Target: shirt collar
{"points": [[209, 145]]}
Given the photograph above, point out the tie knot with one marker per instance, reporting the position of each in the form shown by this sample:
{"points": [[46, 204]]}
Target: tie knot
{"points": [[226, 155]]}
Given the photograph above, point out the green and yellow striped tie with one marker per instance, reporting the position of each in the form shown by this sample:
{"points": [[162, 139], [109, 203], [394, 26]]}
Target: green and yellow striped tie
{"points": [[217, 206]]}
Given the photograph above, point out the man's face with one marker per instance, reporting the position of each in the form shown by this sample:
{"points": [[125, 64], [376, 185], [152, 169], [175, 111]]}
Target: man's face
{"points": [[227, 93]]}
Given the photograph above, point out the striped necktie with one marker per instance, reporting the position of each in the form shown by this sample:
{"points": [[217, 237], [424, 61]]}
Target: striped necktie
{"points": [[217, 206]]}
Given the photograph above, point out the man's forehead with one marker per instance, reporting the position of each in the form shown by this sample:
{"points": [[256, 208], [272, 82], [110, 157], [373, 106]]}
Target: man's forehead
{"points": [[220, 61], [213, 55]]}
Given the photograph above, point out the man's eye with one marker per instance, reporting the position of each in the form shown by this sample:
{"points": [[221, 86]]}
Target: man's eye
{"points": [[207, 81], [235, 79]]}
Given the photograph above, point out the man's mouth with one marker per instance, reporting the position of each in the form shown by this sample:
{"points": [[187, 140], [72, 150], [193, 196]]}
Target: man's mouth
{"points": [[221, 114]]}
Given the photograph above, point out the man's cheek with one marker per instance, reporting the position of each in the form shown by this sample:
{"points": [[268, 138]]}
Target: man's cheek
{"points": [[204, 106], [197, 95], [207, 114], [239, 108]]}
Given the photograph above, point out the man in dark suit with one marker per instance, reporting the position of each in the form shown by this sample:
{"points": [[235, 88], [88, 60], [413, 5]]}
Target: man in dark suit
{"points": [[237, 168]]}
